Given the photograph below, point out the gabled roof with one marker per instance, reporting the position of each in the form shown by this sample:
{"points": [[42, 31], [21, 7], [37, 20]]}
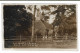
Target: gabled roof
{"points": [[39, 24], [42, 25], [47, 25]]}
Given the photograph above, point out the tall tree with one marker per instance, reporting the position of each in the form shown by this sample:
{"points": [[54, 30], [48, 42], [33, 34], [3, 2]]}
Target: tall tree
{"points": [[16, 20]]}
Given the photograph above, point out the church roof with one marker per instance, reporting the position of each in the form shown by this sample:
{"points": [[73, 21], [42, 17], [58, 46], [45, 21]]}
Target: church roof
{"points": [[42, 25]]}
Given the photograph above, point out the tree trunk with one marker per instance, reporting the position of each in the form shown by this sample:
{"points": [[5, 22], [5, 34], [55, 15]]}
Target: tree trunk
{"points": [[33, 23]]}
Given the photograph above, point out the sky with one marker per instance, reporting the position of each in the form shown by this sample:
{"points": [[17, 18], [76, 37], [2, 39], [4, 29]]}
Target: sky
{"points": [[46, 12]]}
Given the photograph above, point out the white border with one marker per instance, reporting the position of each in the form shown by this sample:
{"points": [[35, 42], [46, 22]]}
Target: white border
{"points": [[51, 2]]}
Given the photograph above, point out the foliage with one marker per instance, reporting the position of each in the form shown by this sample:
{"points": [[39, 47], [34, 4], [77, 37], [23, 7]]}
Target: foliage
{"points": [[16, 19], [65, 18]]}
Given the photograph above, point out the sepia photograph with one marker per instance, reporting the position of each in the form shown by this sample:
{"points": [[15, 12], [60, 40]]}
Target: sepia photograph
{"points": [[40, 26]]}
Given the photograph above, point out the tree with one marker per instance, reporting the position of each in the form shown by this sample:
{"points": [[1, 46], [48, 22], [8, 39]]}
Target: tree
{"points": [[16, 20], [65, 17]]}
